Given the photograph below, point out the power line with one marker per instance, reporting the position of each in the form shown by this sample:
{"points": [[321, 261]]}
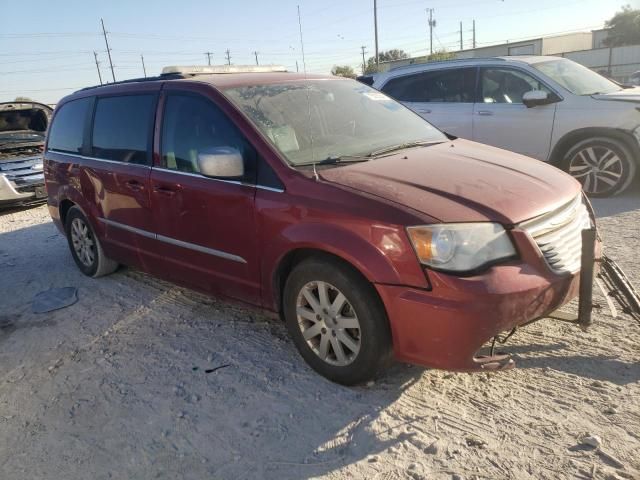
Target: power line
{"points": [[113, 75], [474, 34], [144, 70], [375, 28], [432, 23], [95, 56]]}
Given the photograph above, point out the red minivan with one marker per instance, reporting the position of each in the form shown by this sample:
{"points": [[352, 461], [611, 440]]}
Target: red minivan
{"points": [[371, 232]]}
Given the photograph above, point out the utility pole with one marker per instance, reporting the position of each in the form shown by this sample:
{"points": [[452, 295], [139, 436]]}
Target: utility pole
{"points": [[208, 54], [106, 42], [432, 23], [228, 57], [256, 54], [95, 55], [461, 47], [474, 34], [143, 68], [375, 28], [364, 63], [297, 69]]}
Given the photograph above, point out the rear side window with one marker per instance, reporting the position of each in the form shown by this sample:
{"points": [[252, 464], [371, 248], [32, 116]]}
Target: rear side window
{"points": [[452, 85], [67, 130], [122, 128]]}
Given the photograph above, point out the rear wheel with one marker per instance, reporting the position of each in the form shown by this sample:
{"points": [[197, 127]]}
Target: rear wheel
{"points": [[336, 321], [604, 166], [85, 246]]}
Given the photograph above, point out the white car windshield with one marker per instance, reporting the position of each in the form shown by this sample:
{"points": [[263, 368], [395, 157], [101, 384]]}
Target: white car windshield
{"points": [[322, 119], [576, 78]]}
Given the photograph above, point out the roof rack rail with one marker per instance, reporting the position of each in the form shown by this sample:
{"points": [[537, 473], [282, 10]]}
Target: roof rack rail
{"points": [[208, 69], [137, 80], [453, 60], [176, 72]]}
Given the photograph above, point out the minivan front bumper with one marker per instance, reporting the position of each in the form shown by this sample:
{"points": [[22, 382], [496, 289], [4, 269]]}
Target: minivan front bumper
{"points": [[447, 326]]}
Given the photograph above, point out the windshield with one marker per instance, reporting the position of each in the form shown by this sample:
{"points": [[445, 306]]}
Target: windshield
{"points": [[314, 120], [576, 78]]}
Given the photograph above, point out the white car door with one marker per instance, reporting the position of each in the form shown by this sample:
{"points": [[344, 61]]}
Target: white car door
{"points": [[502, 120], [443, 97]]}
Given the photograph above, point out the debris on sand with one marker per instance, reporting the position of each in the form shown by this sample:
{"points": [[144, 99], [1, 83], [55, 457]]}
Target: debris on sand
{"points": [[54, 299]]}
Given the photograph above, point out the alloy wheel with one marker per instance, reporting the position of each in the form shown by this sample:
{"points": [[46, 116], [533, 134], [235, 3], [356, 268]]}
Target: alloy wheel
{"points": [[598, 168], [83, 242], [328, 323]]}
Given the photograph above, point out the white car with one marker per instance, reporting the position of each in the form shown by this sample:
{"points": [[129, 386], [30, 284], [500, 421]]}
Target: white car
{"points": [[549, 108]]}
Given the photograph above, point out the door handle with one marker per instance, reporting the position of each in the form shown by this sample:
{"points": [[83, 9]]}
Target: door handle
{"points": [[167, 191], [134, 185], [485, 113]]}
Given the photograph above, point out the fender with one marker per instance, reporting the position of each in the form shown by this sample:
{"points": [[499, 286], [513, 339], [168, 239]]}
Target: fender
{"points": [[385, 256], [569, 139], [90, 211]]}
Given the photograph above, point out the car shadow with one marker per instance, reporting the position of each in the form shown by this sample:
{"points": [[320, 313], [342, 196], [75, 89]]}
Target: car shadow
{"points": [[7, 210]]}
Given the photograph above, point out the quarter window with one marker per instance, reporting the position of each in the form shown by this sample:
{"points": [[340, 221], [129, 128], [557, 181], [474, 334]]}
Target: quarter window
{"points": [[451, 85], [122, 128], [67, 130], [192, 125], [504, 85]]}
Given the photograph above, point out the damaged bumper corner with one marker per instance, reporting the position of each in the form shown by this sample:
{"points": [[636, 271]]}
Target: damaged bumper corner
{"points": [[9, 194], [609, 278], [449, 328]]}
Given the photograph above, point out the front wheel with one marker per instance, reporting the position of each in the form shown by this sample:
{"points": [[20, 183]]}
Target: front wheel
{"points": [[604, 166], [336, 321]]}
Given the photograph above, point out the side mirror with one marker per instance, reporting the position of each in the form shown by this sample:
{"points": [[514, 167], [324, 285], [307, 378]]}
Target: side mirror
{"points": [[221, 162], [534, 98]]}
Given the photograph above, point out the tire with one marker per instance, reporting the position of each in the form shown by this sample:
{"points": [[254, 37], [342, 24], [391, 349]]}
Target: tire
{"points": [[604, 166], [366, 350], [85, 246]]}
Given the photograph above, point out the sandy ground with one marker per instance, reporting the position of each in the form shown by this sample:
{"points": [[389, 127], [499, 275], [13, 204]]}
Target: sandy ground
{"points": [[115, 386]]}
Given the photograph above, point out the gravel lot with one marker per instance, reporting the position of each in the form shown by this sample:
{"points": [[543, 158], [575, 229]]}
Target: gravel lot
{"points": [[115, 386]]}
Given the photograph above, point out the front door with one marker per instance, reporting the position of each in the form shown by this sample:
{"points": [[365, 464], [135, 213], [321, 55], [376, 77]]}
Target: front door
{"points": [[502, 120], [443, 97], [205, 227]]}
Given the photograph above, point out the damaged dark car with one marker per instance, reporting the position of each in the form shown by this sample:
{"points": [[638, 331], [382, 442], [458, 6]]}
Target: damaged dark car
{"points": [[23, 126]]}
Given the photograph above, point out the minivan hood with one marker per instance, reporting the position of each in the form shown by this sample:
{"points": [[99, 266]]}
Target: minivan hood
{"points": [[461, 181], [626, 95]]}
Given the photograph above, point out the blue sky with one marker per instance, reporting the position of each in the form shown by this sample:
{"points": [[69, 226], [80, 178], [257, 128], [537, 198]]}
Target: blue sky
{"points": [[47, 52]]}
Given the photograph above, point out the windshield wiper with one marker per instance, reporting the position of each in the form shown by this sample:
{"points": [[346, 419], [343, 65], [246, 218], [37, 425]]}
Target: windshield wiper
{"points": [[402, 146], [334, 159]]}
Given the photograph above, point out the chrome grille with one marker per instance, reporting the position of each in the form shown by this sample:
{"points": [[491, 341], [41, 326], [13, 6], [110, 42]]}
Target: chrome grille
{"points": [[558, 235]]}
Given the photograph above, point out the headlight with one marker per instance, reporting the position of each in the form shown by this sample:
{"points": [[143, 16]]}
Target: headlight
{"points": [[461, 247]]}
